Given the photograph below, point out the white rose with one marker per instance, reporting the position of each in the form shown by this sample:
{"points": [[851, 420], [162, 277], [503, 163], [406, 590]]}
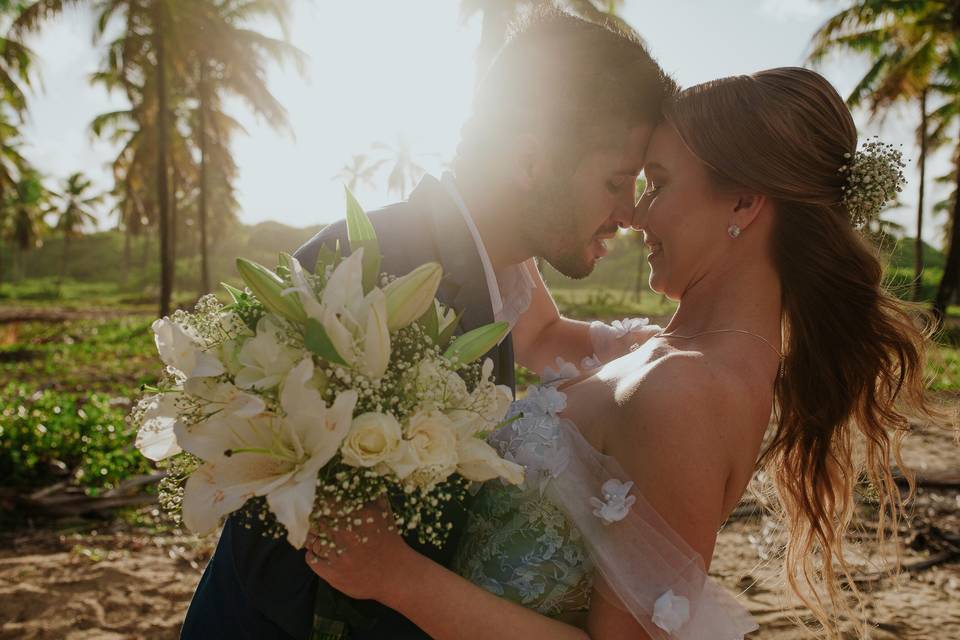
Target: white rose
{"points": [[480, 462], [404, 460], [431, 436], [373, 438]]}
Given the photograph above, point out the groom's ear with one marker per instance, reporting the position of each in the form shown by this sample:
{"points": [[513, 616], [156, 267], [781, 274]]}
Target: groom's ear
{"points": [[527, 160], [746, 209]]}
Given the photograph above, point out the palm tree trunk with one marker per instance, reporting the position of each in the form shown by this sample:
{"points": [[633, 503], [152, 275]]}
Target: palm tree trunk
{"points": [[174, 222], [163, 190], [918, 266], [126, 252], [63, 261], [950, 282], [145, 254], [204, 264]]}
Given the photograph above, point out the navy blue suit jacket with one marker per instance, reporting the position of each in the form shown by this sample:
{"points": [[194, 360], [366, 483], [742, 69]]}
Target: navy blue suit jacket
{"points": [[256, 587]]}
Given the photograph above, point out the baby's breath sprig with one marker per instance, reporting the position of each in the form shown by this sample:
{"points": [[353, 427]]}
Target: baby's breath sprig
{"points": [[874, 177]]}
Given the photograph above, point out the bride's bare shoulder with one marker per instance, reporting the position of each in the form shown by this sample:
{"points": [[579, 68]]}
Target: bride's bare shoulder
{"points": [[676, 438]]}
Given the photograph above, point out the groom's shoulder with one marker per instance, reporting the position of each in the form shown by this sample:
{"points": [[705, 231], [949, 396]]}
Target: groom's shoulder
{"points": [[397, 224]]}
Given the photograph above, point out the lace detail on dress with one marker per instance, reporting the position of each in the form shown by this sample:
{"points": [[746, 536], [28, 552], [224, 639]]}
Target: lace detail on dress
{"points": [[518, 544]]}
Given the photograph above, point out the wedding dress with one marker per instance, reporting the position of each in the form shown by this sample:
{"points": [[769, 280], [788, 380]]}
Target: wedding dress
{"points": [[577, 524]]}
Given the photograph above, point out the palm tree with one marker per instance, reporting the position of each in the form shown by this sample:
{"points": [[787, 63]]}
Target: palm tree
{"points": [[405, 171], [74, 213], [499, 14], [359, 171], [15, 68], [229, 61], [945, 121], [12, 165], [906, 51], [144, 50], [31, 203]]}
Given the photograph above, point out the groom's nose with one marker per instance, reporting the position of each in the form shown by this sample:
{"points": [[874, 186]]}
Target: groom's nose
{"points": [[623, 213]]}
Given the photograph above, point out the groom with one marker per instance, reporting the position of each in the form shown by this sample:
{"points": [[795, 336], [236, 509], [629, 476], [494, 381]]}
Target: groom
{"points": [[547, 167]]}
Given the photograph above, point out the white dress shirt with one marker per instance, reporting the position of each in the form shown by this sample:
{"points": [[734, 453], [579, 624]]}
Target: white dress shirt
{"points": [[511, 287]]}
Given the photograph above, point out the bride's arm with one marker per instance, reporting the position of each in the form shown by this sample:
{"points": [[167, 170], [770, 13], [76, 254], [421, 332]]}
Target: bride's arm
{"points": [[440, 602], [542, 334]]}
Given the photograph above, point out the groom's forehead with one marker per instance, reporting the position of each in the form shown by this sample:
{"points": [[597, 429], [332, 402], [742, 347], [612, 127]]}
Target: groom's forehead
{"points": [[626, 144], [626, 148]]}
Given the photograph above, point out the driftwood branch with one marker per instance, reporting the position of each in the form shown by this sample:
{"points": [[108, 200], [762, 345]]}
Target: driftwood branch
{"points": [[61, 499], [933, 479]]}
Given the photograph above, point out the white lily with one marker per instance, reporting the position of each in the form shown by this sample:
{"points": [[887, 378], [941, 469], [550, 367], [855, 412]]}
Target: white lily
{"points": [[273, 456], [355, 323], [224, 397], [156, 438], [181, 350], [264, 360]]}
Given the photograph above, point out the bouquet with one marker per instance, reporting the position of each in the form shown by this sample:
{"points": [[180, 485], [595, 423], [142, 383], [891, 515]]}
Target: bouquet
{"points": [[315, 394]]}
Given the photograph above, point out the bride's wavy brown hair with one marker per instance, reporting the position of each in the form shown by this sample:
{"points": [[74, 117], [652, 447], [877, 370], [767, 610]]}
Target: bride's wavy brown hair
{"points": [[854, 354]]}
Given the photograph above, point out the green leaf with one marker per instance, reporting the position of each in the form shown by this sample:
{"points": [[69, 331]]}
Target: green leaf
{"points": [[235, 293], [430, 323], [360, 233], [316, 340], [474, 344]]}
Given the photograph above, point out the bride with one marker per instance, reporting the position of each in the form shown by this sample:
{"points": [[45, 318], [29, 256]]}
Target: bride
{"points": [[755, 190]]}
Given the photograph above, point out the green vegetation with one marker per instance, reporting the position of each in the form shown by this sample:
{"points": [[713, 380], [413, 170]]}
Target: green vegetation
{"points": [[66, 388]]}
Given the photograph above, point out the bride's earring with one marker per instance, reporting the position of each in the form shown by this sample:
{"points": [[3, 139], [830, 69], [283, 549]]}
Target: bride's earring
{"points": [[734, 231]]}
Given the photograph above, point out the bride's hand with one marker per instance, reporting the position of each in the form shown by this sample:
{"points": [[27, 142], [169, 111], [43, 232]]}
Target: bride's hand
{"points": [[610, 341], [366, 561]]}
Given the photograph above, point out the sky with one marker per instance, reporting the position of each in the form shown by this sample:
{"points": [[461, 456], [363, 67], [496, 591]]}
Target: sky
{"points": [[379, 69]]}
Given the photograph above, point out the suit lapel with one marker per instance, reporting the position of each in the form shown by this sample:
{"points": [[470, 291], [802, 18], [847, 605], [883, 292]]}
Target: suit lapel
{"points": [[464, 286]]}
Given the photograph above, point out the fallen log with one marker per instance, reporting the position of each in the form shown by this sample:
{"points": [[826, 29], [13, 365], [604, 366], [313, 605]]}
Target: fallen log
{"points": [[932, 479]]}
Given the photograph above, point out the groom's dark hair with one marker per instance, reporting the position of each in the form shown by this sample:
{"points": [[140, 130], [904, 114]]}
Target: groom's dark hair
{"points": [[575, 82]]}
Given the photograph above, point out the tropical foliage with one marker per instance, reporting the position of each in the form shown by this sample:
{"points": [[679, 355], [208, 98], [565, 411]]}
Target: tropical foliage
{"points": [[175, 61], [913, 48]]}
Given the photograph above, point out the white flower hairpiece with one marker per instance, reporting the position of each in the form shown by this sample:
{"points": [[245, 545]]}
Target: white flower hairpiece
{"points": [[874, 177]]}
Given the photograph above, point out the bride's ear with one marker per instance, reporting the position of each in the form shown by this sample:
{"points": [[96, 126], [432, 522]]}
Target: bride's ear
{"points": [[526, 160], [746, 209]]}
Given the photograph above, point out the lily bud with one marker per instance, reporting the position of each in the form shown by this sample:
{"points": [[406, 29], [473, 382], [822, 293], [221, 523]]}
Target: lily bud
{"points": [[268, 288], [473, 344], [409, 297]]}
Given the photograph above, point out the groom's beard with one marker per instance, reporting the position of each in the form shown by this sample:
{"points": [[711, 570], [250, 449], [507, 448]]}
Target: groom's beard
{"points": [[554, 230]]}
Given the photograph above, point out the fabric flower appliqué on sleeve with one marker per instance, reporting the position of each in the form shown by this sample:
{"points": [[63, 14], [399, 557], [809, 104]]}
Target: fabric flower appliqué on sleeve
{"points": [[616, 503], [670, 611], [564, 371], [547, 400]]}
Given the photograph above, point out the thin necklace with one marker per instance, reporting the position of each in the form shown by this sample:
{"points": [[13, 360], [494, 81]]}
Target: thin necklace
{"points": [[703, 333]]}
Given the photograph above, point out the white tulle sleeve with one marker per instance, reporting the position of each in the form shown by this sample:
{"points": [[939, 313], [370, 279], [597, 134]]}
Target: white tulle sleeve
{"points": [[641, 564]]}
